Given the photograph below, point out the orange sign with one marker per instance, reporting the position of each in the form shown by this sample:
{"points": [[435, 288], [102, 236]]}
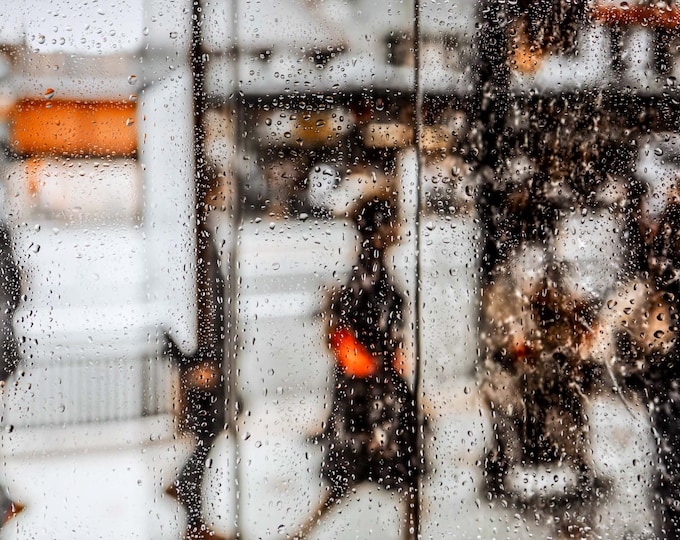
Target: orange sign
{"points": [[74, 128]]}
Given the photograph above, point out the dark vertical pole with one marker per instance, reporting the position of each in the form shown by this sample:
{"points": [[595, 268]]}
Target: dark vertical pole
{"points": [[202, 181], [198, 75], [208, 290], [490, 107], [415, 500], [235, 207]]}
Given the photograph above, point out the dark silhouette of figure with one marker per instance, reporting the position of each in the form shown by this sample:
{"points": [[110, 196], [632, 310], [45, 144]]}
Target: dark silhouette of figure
{"points": [[202, 407], [661, 375], [640, 328], [538, 369], [537, 335], [371, 434], [546, 155]]}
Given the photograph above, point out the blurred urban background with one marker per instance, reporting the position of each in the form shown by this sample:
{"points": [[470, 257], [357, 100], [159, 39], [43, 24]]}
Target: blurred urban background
{"points": [[182, 188]]}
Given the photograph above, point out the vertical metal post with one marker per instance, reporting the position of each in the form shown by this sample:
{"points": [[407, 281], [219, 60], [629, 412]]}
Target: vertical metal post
{"points": [[231, 350], [417, 385]]}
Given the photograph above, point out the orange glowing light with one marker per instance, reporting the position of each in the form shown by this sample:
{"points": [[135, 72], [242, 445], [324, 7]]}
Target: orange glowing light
{"points": [[521, 350], [351, 355]]}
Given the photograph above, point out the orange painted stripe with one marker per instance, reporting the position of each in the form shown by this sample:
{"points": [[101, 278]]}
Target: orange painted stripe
{"points": [[74, 128], [352, 357]]}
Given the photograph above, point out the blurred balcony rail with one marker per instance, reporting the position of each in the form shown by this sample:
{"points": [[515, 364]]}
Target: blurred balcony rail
{"points": [[82, 391]]}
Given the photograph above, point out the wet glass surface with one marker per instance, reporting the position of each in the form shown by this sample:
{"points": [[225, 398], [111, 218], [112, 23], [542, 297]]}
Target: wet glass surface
{"points": [[339, 269]]}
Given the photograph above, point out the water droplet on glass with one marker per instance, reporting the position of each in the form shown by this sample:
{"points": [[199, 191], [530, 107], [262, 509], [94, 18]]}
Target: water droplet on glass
{"points": [[276, 266], [129, 122], [133, 97], [41, 39], [49, 93], [132, 79]]}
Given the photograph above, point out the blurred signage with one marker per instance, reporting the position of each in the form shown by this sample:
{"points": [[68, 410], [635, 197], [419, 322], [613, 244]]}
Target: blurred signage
{"points": [[74, 128]]}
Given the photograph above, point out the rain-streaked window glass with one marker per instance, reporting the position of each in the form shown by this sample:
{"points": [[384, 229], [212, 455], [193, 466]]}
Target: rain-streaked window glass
{"points": [[340, 269]]}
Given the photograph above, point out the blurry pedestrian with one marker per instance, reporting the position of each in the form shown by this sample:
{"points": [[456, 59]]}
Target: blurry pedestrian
{"points": [[371, 434], [637, 335], [536, 335], [660, 375], [202, 405]]}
